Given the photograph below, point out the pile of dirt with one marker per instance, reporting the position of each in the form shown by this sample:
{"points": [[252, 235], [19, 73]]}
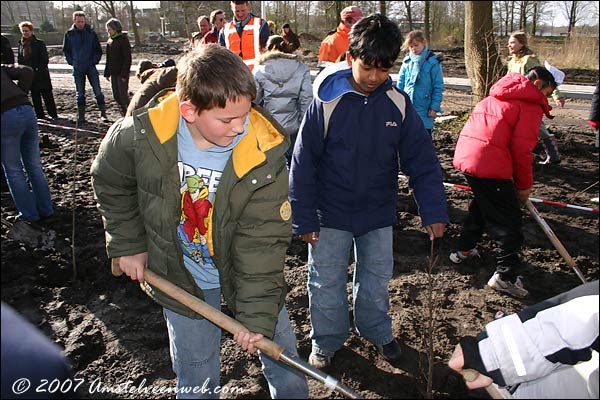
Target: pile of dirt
{"points": [[114, 334]]}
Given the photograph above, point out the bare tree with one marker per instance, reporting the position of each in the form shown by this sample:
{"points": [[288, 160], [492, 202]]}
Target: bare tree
{"points": [[383, 7], [409, 18], [134, 24], [481, 55], [573, 11], [426, 21], [108, 7]]}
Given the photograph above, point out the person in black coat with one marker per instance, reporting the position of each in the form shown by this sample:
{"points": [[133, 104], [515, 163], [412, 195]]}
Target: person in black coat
{"points": [[118, 63], [33, 53], [8, 57]]}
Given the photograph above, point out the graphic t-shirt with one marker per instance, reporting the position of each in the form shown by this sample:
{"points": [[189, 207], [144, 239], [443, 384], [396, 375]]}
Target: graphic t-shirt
{"points": [[199, 172]]}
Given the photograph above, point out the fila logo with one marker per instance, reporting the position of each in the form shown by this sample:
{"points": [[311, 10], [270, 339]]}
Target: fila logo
{"points": [[391, 123]]}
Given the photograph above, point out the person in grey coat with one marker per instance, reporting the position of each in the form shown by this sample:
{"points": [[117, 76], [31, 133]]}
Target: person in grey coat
{"points": [[283, 87]]}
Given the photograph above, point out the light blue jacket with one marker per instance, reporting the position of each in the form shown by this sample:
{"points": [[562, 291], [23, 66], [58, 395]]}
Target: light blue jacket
{"points": [[426, 89]]}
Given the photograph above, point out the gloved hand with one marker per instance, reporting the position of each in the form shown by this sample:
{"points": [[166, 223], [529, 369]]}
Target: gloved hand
{"points": [[593, 124]]}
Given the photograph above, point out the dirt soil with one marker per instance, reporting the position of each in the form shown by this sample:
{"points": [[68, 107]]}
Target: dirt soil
{"points": [[114, 334]]}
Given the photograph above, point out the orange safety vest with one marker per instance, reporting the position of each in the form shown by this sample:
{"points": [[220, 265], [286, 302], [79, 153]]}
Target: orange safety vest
{"points": [[248, 45]]}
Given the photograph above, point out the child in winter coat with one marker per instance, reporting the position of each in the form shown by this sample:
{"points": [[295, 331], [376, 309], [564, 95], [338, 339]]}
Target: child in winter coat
{"points": [[494, 151], [421, 78], [194, 187], [522, 59], [356, 135], [283, 87]]}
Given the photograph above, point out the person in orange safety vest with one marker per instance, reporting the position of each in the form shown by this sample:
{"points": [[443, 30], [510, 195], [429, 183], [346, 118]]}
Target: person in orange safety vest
{"points": [[336, 42], [246, 35]]}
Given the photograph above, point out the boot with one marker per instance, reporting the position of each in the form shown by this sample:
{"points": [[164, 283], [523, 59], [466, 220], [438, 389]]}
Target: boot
{"points": [[551, 149], [81, 114], [103, 116]]}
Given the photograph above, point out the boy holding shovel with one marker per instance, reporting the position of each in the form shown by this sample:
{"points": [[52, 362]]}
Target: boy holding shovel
{"points": [[194, 187], [495, 152]]}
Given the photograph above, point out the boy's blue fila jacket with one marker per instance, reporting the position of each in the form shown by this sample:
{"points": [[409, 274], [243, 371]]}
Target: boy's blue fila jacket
{"points": [[344, 173]]}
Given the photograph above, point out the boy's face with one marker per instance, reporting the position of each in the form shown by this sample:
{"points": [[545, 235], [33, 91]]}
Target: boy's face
{"points": [[366, 78], [217, 126]]}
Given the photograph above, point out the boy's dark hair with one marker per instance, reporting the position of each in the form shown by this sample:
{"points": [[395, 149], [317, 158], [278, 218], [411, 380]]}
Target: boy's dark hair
{"points": [[277, 43], [375, 40], [211, 75], [539, 72]]}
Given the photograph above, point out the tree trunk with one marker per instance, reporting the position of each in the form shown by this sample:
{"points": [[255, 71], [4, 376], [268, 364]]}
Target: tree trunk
{"points": [[481, 56], [409, 15], [382, 8], [534, 21], [572, 19], [134, 23], [426, 30]]}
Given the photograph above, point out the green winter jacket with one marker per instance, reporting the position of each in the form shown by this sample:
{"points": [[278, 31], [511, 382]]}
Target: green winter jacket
{"points": [[136, 183]]}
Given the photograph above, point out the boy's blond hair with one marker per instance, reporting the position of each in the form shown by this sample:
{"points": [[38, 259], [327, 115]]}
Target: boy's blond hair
{"points": [[211, 75]]}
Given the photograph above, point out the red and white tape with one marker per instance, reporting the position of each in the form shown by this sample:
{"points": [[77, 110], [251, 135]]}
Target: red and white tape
{"points": [[70, 128]]}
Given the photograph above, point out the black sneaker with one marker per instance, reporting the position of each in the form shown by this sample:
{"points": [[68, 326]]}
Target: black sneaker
{"points": [[390, 351]]}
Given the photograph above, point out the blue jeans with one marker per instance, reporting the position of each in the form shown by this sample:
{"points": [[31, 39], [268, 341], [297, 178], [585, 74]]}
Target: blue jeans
{"points": [[21, 149], [92, 75], [327, 276], [195, 353]]}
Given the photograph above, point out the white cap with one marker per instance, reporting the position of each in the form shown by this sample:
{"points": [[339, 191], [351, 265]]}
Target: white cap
{"points": [[558, 75]]}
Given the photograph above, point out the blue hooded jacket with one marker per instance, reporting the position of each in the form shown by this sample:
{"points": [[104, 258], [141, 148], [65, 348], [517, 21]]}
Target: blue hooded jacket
{"points": [[422, 79], [82, 47], [348, 179]]}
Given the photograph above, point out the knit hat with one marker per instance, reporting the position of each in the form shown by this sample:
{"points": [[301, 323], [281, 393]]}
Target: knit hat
{"points": [[286, 25], [169, 62], [114, 24], [352, 11]]}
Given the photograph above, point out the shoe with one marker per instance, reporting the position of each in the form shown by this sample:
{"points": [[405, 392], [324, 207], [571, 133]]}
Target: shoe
{"points": [[458, 256], [390, 351], [319, 361], [549, 160], [514, 289]]}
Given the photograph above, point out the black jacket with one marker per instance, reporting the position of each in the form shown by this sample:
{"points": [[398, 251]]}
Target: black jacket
{"points": [[118, 57], [15, 94], [38, 61]]}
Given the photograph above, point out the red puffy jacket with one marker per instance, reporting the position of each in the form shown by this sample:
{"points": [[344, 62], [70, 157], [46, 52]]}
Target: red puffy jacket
{"points": [[498, 139]]}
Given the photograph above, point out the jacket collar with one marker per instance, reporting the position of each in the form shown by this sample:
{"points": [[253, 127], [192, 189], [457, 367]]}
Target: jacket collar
{"points": [[247, 154]]}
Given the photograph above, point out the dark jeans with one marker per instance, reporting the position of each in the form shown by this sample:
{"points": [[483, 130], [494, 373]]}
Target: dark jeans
{"points": [[36, 98], [495, 206], [120, 91], [92, 74]]}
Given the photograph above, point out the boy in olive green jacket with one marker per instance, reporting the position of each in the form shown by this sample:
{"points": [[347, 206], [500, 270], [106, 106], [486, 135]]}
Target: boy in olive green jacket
{"points": [[194, 187]]}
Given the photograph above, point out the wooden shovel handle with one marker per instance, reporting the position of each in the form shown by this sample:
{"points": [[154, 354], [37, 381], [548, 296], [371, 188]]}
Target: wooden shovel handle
{"points": [[232, 326], [470, 375]]}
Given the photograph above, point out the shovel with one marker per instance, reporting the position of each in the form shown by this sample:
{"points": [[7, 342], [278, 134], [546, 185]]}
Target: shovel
{"points": [[232, 326], [557, 244]]}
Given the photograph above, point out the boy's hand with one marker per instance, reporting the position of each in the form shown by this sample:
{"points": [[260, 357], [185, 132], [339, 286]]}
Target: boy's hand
{"points": [[133, 266], [312, 237], [435, 230], [457, 362], [523, 195], [247, 340]]}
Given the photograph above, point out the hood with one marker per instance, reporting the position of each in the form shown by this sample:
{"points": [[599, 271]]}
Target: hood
{"points": [[262, 135], [515, 86], [333, 83], [278, 66]]}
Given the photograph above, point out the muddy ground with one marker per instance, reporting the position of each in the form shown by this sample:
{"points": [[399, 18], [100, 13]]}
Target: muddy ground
{"points": [[113, 333]]}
